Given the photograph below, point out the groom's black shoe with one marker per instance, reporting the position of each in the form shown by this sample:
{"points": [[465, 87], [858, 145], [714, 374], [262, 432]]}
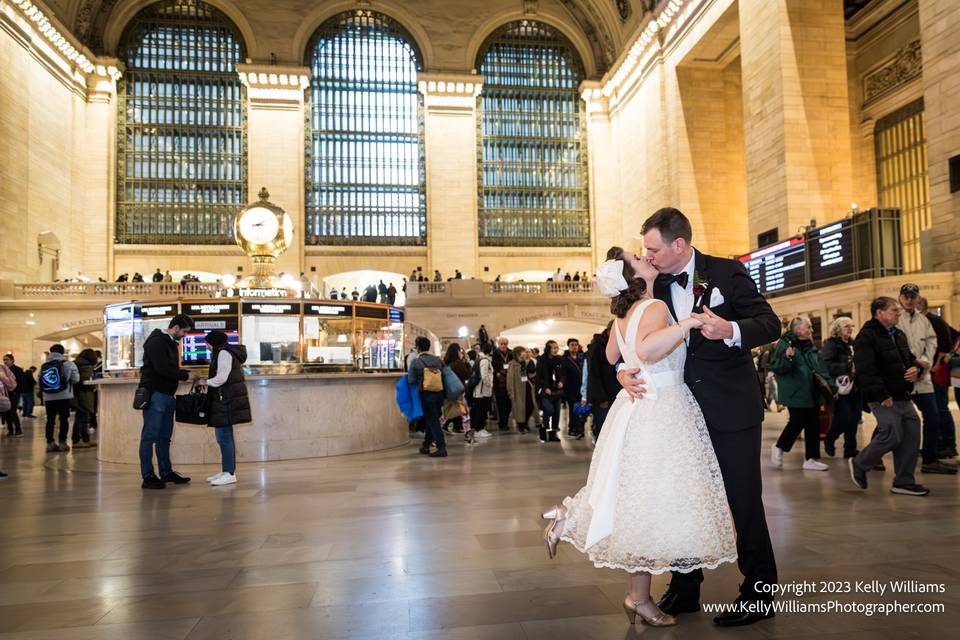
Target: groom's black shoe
{"points": [[743, 612], [675, 602]]}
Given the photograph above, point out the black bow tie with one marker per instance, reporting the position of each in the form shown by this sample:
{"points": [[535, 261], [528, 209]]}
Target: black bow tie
{"points": [[680, 278]]}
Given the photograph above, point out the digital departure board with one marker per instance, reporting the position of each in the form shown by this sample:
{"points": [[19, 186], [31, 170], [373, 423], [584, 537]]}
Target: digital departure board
{"points": [[831, 251], [781, 266]]}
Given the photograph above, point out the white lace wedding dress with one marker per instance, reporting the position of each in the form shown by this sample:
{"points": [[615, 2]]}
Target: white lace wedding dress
{"points": [[654, 499]]}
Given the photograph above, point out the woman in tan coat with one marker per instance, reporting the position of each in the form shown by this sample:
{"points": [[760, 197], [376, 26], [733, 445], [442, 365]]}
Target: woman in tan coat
{"points": [[521, 390]]}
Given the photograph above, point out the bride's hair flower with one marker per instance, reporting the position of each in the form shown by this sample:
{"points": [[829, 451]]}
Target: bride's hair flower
{"points": [[610, 280]]}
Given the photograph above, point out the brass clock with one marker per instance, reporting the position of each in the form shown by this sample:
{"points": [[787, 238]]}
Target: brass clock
{"points": [[263, 231]]}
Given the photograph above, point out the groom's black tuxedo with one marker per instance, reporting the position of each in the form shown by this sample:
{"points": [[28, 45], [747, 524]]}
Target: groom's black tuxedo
{"points": [[718, 374], [724, 382]]}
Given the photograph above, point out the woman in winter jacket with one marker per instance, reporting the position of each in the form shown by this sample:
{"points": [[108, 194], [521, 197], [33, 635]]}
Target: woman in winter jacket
{"points": [[228, 401], [795, 362], [837, 355]]}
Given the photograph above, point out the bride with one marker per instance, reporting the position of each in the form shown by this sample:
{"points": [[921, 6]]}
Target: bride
{"points": [[654, 499]]}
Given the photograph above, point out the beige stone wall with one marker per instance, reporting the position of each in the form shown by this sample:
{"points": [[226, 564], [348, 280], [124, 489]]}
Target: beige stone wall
{"points": [[939, 26], [42, 122]]}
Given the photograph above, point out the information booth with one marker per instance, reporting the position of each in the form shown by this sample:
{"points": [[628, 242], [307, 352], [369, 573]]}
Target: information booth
{"points": [[321, 375]]}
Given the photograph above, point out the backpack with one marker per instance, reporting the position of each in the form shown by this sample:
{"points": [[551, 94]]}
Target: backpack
{"points": [[52, 379], [432, 378], [474, 377]]}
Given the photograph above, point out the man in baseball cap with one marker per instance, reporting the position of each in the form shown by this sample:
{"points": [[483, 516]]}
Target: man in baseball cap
{"points": [[922, 340]]}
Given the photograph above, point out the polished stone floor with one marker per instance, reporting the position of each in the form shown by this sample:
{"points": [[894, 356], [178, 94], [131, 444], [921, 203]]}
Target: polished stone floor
{"points": [[396, 546]]}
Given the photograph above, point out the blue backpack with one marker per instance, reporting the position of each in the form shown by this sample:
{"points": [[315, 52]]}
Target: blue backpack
{"points": [[52, 379]]}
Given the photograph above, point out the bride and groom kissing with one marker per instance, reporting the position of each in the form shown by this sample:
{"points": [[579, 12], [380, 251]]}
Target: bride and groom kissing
{"points": [[679, 453]]}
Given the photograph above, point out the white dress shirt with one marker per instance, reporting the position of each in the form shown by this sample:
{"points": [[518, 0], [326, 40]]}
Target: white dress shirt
{"points": [[683, 299]]}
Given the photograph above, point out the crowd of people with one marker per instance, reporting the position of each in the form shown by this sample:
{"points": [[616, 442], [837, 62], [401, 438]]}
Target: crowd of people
{"points": [[899, 362], [58, 386], [512, 389], [383, 293]]}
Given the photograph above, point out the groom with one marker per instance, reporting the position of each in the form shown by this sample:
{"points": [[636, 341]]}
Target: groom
{"points": [[719, 371]]}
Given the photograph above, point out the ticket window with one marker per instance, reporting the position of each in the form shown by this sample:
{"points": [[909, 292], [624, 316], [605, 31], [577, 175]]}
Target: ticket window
{"points": [[271, 332], [379, 341], [327, 334]]}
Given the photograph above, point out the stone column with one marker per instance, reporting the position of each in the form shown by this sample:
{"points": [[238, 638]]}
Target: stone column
{"points": [[275, 140], [939, 24], [99, 170], [796, 113], [606, 222], [450, 130]]}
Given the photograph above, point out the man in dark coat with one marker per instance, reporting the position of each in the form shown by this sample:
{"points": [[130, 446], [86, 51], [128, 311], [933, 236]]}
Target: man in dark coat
{"points": [[886, 373], [602, 385], [719, 372], [572, 382]]}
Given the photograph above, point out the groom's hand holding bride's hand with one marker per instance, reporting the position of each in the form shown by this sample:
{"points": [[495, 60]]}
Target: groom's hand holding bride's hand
{"points": [[634, 386], [712, 326]]}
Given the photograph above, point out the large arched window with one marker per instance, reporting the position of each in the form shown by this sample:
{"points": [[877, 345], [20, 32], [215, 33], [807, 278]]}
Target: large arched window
{"points": [[532, 164], [181, 143], [365, 173]]}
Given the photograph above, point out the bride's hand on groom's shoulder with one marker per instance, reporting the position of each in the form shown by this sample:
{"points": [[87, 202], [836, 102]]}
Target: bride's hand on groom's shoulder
{"points": [[635, 387]]}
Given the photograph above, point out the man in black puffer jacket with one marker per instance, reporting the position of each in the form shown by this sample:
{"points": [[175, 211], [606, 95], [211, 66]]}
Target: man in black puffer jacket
{"points": [[886, 371], [602, 384]]}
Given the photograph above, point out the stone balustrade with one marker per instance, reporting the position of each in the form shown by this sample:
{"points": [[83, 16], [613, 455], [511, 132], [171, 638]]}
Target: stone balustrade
{"points": [[479, 292], [124, 290]]}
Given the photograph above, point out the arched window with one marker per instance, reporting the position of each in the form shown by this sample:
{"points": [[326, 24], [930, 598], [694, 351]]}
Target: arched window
{"points": [[365, 172], [181, 142], [532, 165]]}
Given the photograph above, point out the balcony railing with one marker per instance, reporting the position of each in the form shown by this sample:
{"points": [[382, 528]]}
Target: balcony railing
{"points": [[131, 290], [469, 291]]}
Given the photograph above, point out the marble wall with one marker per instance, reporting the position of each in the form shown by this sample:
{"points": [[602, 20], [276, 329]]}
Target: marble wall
{"points": [[293, 417]]}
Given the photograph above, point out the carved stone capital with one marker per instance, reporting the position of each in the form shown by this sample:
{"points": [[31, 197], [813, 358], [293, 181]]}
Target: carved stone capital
{"points": [[905, 65]]}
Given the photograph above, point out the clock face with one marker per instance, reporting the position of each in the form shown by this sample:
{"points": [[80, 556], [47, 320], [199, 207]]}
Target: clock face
{"points": [[287, 231], [259, 226]]}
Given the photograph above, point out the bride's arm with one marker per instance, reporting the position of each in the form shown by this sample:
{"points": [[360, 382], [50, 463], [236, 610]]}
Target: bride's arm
{"points": [[613, 348], [655, 338]]}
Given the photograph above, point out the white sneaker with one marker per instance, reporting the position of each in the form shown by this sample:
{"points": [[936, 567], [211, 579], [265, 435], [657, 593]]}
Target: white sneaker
{"points": [[225, 478], [814, 465], [483, 433], [214, 476], [776, 456]]}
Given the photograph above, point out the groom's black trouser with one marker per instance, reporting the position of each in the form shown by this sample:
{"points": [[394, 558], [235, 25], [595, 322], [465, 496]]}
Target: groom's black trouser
{"points": [[738, 453]]}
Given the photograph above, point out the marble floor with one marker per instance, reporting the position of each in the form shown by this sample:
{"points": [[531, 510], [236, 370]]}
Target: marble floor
{"points": [[396, 546]]}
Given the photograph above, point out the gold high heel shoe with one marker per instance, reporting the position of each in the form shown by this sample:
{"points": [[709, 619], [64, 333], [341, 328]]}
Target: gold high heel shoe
{"points": [[632, 609], [551, 535]]}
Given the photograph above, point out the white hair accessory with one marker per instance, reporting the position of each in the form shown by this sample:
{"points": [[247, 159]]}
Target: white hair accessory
{"points": [[610, 278]]}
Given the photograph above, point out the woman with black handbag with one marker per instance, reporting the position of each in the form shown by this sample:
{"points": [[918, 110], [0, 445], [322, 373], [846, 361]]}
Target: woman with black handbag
{"points": [[229, 403], [803, 384]]}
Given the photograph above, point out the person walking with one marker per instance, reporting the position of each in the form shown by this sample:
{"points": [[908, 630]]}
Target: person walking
{"points": [[795, 362], [455, 358], [160, 375], [523, 397], [57, 377], [501, 359], [481, 381], [550, 390], [84, 399], [947, 442], [922, 342], [887, 370], [27, 386], [11, 417], [426, 374], [228, 401], [837, 355], [572, 383]]}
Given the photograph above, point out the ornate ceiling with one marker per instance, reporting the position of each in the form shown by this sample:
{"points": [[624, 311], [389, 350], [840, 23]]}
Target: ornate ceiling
{"points": [[605, 24]]}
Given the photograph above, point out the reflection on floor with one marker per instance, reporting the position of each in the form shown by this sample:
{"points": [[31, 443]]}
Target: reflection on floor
{"points": [[396, 545]]}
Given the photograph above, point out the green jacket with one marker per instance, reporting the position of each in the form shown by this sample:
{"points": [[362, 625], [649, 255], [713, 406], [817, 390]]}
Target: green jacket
{"points": [[795, 386], [84, 396]]}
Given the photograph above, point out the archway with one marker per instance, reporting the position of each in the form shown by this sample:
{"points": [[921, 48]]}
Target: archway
{"points": [[536, 333]]}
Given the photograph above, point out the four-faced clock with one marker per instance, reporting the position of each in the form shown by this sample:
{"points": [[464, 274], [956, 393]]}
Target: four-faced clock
{"points": [[258, 226]]}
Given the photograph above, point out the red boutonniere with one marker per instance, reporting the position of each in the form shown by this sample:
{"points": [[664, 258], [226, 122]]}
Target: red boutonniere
{"points": [[700, 286]]}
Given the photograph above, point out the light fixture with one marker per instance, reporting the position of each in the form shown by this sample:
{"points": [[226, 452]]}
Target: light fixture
{"points": [[228, 279], [463, 332]]}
